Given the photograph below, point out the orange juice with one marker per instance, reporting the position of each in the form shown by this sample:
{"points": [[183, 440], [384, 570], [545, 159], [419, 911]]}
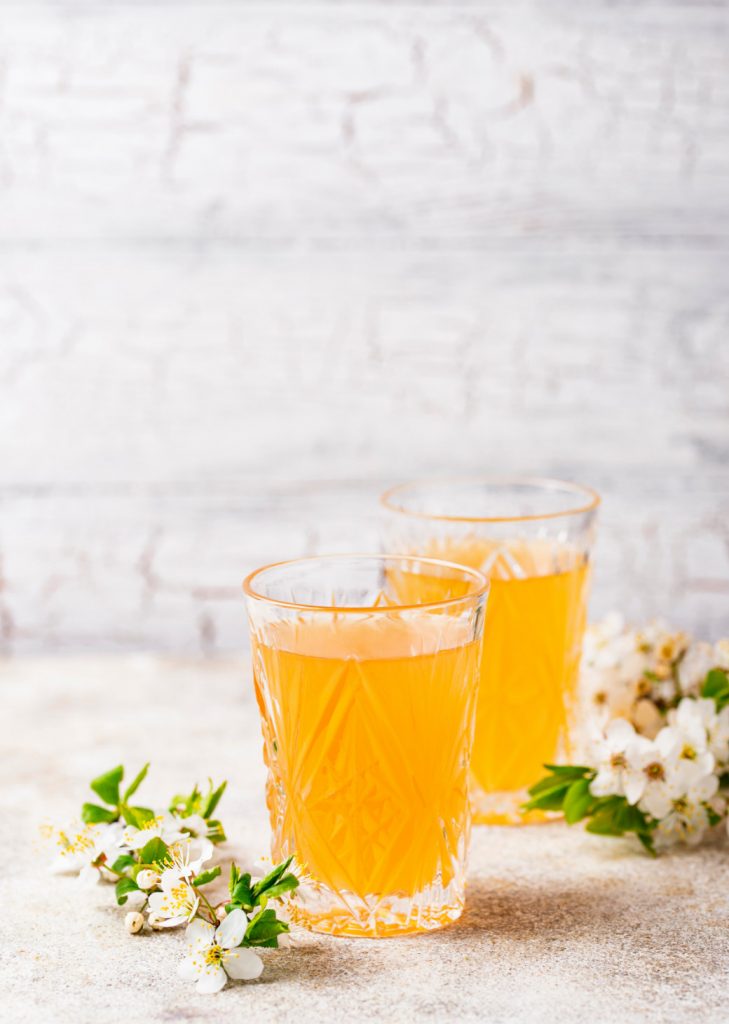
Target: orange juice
{"points": [[533, 630], [367, 727]]}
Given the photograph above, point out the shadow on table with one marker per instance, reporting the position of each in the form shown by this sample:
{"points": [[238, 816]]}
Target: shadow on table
{"points": [[514, 910]]}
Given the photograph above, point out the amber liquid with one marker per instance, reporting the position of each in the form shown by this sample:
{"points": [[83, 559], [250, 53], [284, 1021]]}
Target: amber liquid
{"points": [[535, 619], [368, 727]]}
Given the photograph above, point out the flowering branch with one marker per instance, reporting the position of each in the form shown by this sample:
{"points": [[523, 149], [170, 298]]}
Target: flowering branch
{"points": [[159, 865], [661, 769]]}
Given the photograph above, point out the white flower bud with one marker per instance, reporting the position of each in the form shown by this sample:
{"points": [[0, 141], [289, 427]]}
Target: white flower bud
{"points": [[647, 718], [147, 879], [155, 921], [133, 922], [220, 913]]}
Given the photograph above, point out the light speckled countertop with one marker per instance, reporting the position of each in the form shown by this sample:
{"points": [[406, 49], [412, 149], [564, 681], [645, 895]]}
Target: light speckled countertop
{"points": [[560, 926]]}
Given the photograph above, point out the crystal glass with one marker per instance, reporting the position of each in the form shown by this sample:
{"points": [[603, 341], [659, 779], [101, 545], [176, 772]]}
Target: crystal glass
{"points": [[532, 538], [367, 691]]}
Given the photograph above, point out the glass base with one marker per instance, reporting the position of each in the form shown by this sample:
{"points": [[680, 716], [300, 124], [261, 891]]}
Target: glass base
{"points": [[319, 909], [505, 809]]}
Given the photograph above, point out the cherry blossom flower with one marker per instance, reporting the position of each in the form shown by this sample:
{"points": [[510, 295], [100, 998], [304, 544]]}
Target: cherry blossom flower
{"points": [[688, 818], [610, 759], [215, 954], [82, 849], [704, 726], [163, 826], [650, 770], [694, 665], [176, 904]]}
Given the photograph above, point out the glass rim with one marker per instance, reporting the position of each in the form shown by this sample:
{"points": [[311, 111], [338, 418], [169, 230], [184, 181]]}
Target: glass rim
{"points": [[484, 585], [590, 498]]}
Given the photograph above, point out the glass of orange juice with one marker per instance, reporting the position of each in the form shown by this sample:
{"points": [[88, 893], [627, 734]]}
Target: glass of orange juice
{"points": [[367, 692], [532, 537]]}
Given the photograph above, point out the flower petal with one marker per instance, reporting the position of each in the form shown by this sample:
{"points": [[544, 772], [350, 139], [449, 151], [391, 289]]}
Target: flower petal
{"points": [[199, 932], [656, 802], [634, 784], [156, 902], [212, 980], [169, 878], [231, 931], [195, 823], [619, 732], [187, 969], [171, 922], [669, 743], [605, 783], [243, 964], [141, 837]]}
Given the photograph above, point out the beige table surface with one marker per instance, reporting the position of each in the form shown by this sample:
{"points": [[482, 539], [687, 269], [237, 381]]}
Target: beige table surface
{"points": [[560, 926]]}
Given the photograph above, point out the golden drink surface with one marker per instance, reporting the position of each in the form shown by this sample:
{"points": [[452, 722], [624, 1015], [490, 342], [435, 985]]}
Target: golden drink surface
{"points": [[367, 731]]}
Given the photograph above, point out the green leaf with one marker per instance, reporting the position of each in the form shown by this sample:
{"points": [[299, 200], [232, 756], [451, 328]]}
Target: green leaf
{"points": [[213, 800], [629, 818], [186, 805], [287, 883], [123, 862], [242, 892], [603, 824], [548, 785], [234, 876], [92, 814], [264, 929], [571, 770], [578, 801], [107, 786], [646, 840], [123, 887], [271, 878], [206, 876], [603, 821], [561, 776], [136, 816], [154, 852], [716, 686], [136, 783], [614, 816], [549, 800], [216, 832], [712, 815]]}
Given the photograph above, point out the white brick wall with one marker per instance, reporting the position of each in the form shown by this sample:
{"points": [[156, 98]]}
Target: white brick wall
{"points": [[258, 260]]}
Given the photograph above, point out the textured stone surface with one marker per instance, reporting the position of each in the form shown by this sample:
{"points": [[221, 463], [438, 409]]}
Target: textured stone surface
{"points": [[260, 259], [559, 925]]}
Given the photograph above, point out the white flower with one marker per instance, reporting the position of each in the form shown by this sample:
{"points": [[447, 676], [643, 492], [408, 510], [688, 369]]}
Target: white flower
{"points": [[691, 720], [187, 856], [176, 904], [706, 732], [133, 922], [162, 826], [693, 667], [651, 767], [686, 822], [195, 824], [147, 879], [83, 848], [721, 655], [688, 817], [610, 759], [214, 954]]}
